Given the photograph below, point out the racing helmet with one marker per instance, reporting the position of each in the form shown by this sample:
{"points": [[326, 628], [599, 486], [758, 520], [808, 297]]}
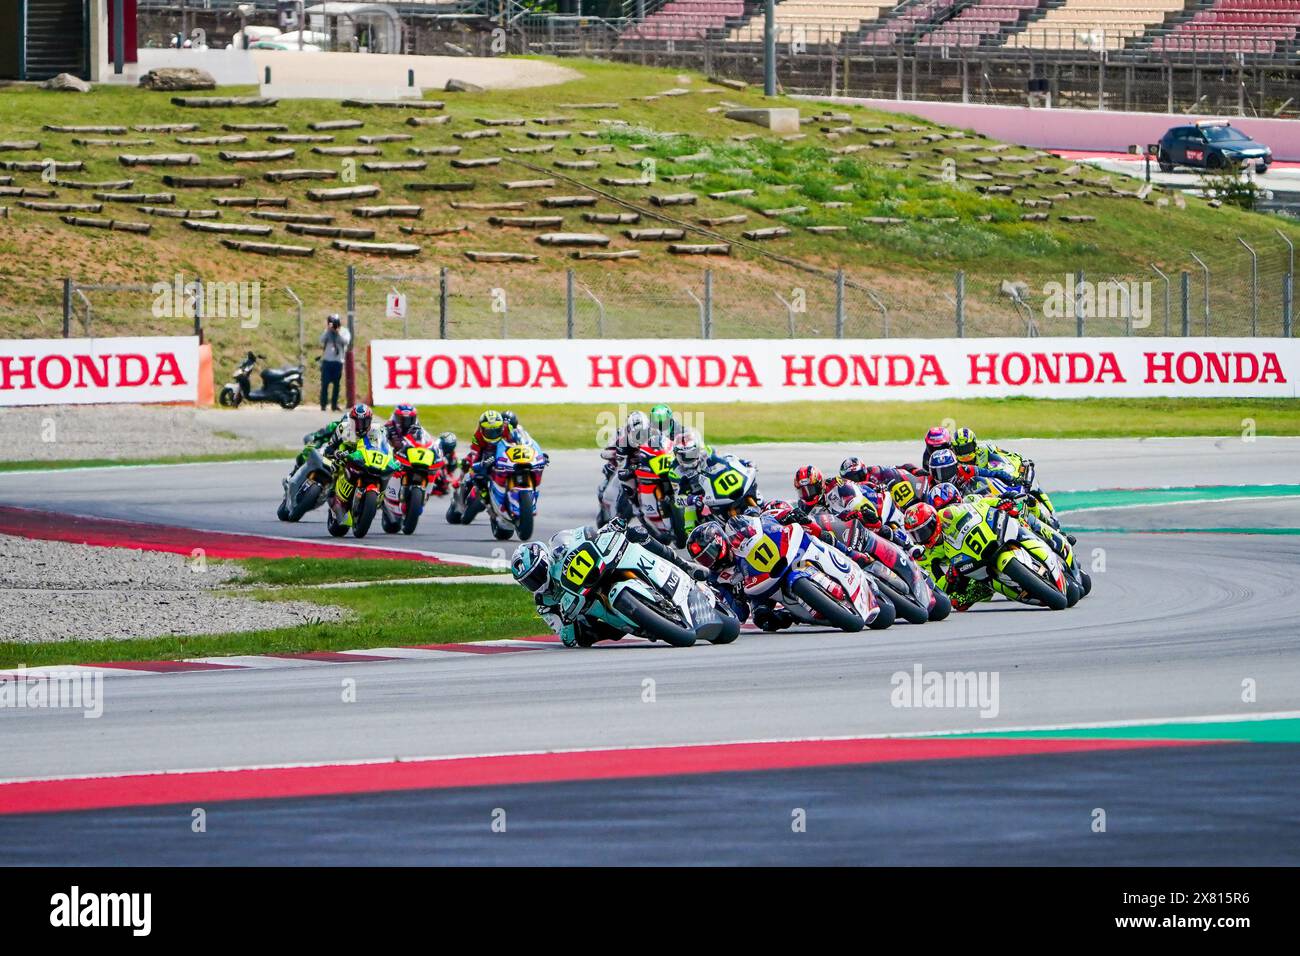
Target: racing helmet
{"points": [[944, 494], [921, 522], [810, 483], [853, 469], [938, 437], [661, 419], [707, 544], [943, 466], [963, 444], [361, 418], [491, 425], [447, 443], [531, 566], [510, 418], [636, 426], [405, 417], [689, 454]]}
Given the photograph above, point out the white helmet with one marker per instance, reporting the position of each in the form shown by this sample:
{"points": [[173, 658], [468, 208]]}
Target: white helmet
{"points": [[689, 453]]}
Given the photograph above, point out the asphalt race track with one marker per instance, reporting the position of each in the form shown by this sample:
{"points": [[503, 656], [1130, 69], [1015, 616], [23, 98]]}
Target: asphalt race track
{"points": [[1175, 625]]}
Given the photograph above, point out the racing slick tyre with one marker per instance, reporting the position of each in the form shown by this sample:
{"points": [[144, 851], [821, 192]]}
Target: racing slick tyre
{"points": [[885, 617], [832, 610], [336, 528], [729, 632], [651, 622], [414, 508], [291, 399], [1072, 593], [453, 513], [366, 515], [524, 523], [473, 506], [498, 532], [942, 606], [677, 521], [307, 494], [1036, 587], [1085, 582], [390, 524], [230, 397], [905, 606]]}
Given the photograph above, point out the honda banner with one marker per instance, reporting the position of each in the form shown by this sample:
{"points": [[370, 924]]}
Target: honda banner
{"points": [[778, 370], [92, 371]]}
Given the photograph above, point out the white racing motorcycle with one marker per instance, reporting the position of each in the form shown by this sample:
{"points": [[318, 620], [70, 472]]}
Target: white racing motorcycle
{"points": [[612, 579]]}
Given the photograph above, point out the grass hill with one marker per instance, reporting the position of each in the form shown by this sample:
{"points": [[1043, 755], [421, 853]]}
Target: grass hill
{"points": [[909, 203]]}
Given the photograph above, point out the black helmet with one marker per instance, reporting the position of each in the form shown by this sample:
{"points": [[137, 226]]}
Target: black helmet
{"points": [[447, 442]]}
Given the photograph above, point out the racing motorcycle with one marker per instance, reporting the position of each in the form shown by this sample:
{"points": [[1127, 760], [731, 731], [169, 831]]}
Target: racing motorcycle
{"points": [[903, 582], [989, 544], [280, 386], [308, 487], [814, 582], [358, 486], [513, 484], [656, 501], [418, 466], [732, 489], [615, 580]]}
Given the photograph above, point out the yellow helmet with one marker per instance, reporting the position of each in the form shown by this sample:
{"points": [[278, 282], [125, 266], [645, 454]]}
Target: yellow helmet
{"points": [[491, 425]]}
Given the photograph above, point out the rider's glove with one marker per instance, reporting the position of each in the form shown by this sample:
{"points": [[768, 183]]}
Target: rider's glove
{"points": [[698, 574], [916, 552]]}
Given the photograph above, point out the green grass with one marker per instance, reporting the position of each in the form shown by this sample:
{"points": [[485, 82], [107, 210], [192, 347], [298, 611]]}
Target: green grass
{"points": [[296, 572], [382, 616], [260, 454]]}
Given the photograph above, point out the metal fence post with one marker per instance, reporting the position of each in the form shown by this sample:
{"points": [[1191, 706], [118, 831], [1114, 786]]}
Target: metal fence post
{"points": [[961, 303], [568, 304], [1156, 270], [1078, 304], [708, 303], [1254, 287], [442, 302], [839, 303], [1288, 285], [349, 359], [67, 307], [198, 308], [1206, 270], [1185, 290]]}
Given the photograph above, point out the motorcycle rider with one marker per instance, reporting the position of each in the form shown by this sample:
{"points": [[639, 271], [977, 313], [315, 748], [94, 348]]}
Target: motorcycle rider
{"points": [[621, 456], [447, 448], [709, 546], [926, 527], [936, 438], [492, 428], [356, 427], [537, 567], [404, 427], [693, 458], [663, 421], [327, 438], [970, 451]]}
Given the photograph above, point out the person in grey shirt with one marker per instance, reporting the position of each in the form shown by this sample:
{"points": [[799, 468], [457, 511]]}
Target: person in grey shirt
{"points": [[334, 341]]}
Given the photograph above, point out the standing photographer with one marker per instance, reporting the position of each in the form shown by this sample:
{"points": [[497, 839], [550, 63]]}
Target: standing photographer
{"points": [[334, 341]]}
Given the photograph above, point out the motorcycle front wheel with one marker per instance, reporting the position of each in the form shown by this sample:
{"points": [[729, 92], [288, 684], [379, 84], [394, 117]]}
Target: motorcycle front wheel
{"points": [[835, 613], [365, 516], [1036, 587], [414, 506], [650, 622]]}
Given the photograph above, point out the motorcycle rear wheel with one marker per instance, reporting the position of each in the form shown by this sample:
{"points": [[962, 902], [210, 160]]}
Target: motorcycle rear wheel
{"points": [[292, 399], [942, 606], [305, 501], [905, 606], [365, 517], [335, 527], [835, 613]]}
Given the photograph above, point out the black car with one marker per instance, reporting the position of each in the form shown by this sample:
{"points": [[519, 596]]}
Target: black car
{"points": [[1211, 145]]}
